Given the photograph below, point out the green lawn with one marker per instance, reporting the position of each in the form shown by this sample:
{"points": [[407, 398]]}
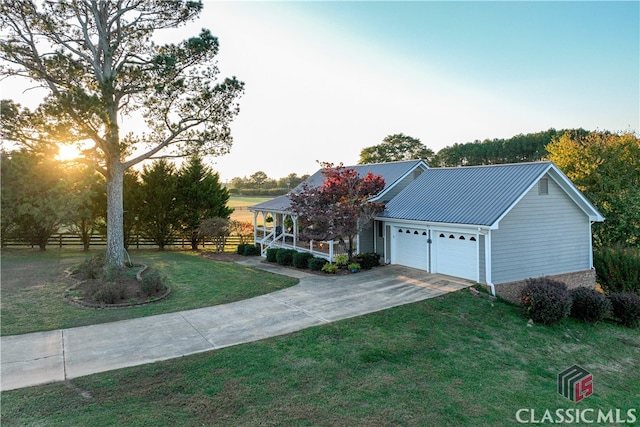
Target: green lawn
{"points": [[240, 205], [455, 360], [33, 287]]}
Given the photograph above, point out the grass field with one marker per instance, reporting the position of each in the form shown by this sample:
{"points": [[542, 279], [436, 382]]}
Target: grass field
{"points": [[454, 360], [240, 205], [33, 287]]}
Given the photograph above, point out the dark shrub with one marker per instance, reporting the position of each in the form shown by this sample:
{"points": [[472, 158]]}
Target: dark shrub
{"points": [[545, 301], [316, 264], [301, 259], [367, 260], [242, 247], [109, 292], [152, 282], [272, 254], [285, 256], [626, 308], [618, 269], [589, 305], [251, 250]]}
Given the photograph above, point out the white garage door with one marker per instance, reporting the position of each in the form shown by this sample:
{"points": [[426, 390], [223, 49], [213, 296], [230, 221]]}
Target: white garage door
{"points": [[456, 254], [410, 247]]}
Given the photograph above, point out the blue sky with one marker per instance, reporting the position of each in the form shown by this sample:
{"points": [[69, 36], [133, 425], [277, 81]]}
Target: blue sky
{"points": [[326, 79]]}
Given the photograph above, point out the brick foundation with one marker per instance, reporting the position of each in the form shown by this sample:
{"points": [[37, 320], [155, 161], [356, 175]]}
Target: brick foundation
{"points": [[511, 291]]}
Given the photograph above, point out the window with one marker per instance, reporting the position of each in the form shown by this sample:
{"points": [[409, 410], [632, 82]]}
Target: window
{"points": [[451, 236], [543, 187], [416, 232], [441, 235], [408, 231], [461, 238], [400, 230], [380, 229], [473, 239], [424, 233]]}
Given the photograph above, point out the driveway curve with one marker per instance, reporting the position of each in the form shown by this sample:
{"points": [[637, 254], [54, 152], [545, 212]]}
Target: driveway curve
{"points": [[44, 357]]}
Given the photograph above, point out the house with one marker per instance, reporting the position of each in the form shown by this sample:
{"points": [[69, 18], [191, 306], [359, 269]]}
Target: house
{"points": [[496, 225]]}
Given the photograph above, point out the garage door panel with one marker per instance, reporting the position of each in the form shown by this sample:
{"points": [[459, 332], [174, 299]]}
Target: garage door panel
{"points": [[457, 254], [411, 247]]}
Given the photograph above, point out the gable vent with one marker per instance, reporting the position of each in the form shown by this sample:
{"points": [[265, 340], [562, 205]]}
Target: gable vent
{"points": [[543, 187]]}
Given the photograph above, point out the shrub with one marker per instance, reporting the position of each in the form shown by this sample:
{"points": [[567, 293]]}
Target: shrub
{"points": [[316, 263], [626, 308], [354, 266], [285, 256], [248, 249], [301, 259], [589, 305], [618, 269], [152, 282], [92, 268], [368, 260], [109, 292], [330, 268], [545, 301], [271, 254], [251, 250], [341, 260]]}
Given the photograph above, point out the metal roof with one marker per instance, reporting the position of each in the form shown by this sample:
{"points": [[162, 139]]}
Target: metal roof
{"points": [[392, 172], [478, 195]]}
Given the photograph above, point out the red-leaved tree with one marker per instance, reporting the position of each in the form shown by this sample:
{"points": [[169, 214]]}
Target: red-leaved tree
{"points": [[339, 209]]}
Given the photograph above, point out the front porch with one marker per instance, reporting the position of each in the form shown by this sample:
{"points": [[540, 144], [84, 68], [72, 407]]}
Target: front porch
{"points": [[280, 230]]}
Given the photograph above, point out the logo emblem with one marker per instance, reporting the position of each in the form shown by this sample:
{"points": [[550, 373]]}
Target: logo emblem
{"points": [[575, 383]]}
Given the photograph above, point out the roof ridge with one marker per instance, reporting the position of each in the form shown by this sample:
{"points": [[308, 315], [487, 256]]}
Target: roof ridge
{"points": [[537, 162]]}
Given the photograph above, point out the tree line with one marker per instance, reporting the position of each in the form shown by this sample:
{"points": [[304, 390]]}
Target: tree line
{"points": [[42, 196], [604, 165], [259, 184]]}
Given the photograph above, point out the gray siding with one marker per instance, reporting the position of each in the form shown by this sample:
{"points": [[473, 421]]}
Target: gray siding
{"points": [[482, 265], [542, 235], [366, 239]]}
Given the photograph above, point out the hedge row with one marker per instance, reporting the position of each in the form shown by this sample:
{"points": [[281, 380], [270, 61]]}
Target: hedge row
{"points": [[548, 301]]}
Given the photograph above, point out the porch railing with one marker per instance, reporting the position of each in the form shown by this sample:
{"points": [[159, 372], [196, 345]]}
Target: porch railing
{"points": [[325, 249]]}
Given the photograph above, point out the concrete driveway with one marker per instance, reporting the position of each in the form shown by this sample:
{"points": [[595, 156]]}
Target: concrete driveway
{"points": [[44, 357]]}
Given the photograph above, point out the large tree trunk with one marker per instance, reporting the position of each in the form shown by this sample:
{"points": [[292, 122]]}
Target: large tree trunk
{"points": [[115, 215]]}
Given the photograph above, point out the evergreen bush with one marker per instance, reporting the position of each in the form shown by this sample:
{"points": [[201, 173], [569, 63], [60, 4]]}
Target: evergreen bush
{"points": [[545, 300], [251, 250], [301, 259], [271, 254], [626, 308], [589, 305], [316, 263], [367, 260], [618, 269], [285, 256]]}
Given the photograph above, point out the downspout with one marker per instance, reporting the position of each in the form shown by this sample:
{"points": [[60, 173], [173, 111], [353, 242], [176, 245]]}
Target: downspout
{"points": [[487, 262]]}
